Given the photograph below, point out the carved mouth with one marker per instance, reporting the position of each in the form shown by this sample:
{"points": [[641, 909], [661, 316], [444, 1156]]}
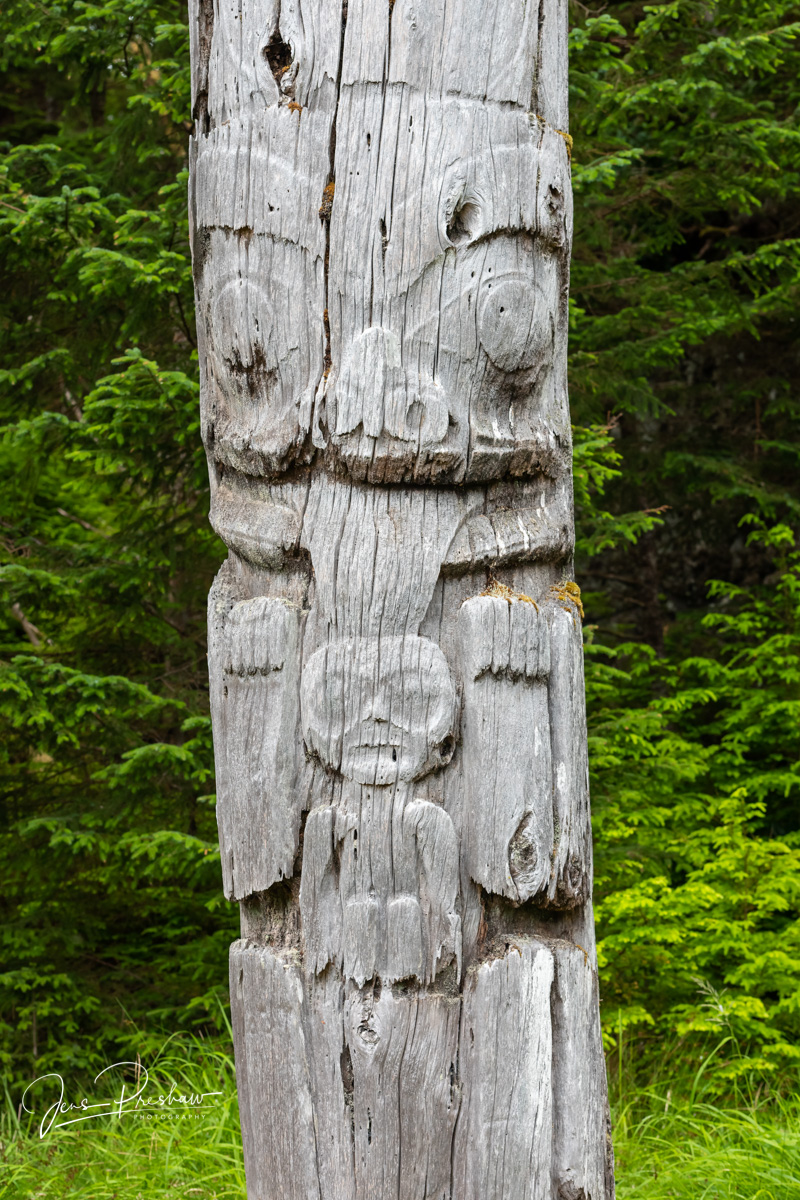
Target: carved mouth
{"points": [[379, 735], [374, 764]]}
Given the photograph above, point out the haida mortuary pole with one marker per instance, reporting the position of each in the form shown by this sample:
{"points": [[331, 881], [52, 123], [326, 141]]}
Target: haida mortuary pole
{"points": [[381, 213]]}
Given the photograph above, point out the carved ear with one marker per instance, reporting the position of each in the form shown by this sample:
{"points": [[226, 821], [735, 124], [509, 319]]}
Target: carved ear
{"points": [[446, 712], [446, 748], [323, 704]]}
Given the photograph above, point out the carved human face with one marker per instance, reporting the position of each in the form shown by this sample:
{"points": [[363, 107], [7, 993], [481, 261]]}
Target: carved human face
{"points": [[379, 710]]}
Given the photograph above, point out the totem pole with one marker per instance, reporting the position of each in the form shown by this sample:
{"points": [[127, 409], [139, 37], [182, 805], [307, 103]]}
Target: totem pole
{"points": [[381, 213]]}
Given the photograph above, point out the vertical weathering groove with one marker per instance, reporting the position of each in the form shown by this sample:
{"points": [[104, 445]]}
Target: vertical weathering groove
{"points": [[381, 220], [202, 30], [326, 208]]}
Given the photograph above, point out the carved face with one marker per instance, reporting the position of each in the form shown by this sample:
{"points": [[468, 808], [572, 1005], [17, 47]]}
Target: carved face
{"points": [[406, 320], [379, 710]]}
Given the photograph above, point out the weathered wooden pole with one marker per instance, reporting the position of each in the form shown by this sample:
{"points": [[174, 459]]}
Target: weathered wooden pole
{"points": [[381, 212]]}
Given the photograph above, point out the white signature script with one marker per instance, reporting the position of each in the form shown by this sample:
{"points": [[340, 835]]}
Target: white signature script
{"points": [[120, 1106]]}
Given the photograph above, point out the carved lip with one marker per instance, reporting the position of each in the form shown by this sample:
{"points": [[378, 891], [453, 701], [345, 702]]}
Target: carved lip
{"points": [[382, 739], [377, 733]]}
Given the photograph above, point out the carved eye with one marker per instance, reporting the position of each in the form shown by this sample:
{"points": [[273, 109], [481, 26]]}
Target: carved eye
{"points": [[513, 323]]}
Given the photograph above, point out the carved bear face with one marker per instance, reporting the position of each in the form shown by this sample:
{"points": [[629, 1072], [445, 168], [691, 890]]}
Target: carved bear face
{"points": [[412, 291], [448, 265]]}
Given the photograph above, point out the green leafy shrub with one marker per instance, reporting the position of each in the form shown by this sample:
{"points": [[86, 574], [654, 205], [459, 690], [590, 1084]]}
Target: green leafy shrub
{"points": [[695, 759]]}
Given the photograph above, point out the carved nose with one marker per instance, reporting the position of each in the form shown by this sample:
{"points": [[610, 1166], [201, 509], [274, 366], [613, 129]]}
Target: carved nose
{"points": [[512, 323]]}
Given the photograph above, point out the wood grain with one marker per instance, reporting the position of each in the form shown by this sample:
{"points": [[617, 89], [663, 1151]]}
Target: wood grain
{"points": [[381, 222]]}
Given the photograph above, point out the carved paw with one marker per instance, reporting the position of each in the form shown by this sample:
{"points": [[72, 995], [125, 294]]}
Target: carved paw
{"points": [[504, 636], [254, 660]]}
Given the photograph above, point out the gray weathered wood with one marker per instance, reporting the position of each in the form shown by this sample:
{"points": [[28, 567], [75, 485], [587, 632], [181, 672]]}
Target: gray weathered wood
{"points": [[273, 1071], [508, 783], [583, 1162], [504, 1141], [381, 223], [254, 659]]}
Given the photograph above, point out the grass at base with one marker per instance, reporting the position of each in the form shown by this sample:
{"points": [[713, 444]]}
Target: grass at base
{"points": [[159, 1150], [678, 1150], [703, 1151]]}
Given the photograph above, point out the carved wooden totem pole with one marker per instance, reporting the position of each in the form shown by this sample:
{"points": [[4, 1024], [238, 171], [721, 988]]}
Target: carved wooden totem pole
{"points": [[381, 212]]}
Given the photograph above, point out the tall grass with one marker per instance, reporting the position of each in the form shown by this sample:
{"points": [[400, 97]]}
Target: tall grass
{"points": [[673, 1140], [172, 1151], [704, 1127], [703, 1151]]}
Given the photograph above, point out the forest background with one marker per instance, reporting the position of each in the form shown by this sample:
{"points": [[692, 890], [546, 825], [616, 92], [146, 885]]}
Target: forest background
{"points": [[684, 388]]}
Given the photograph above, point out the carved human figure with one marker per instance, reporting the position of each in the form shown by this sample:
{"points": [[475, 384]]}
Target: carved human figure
{"points": [[379, 879]]}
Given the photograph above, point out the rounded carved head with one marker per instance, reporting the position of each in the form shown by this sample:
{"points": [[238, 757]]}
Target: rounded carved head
{"points": [[379, 710]]}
